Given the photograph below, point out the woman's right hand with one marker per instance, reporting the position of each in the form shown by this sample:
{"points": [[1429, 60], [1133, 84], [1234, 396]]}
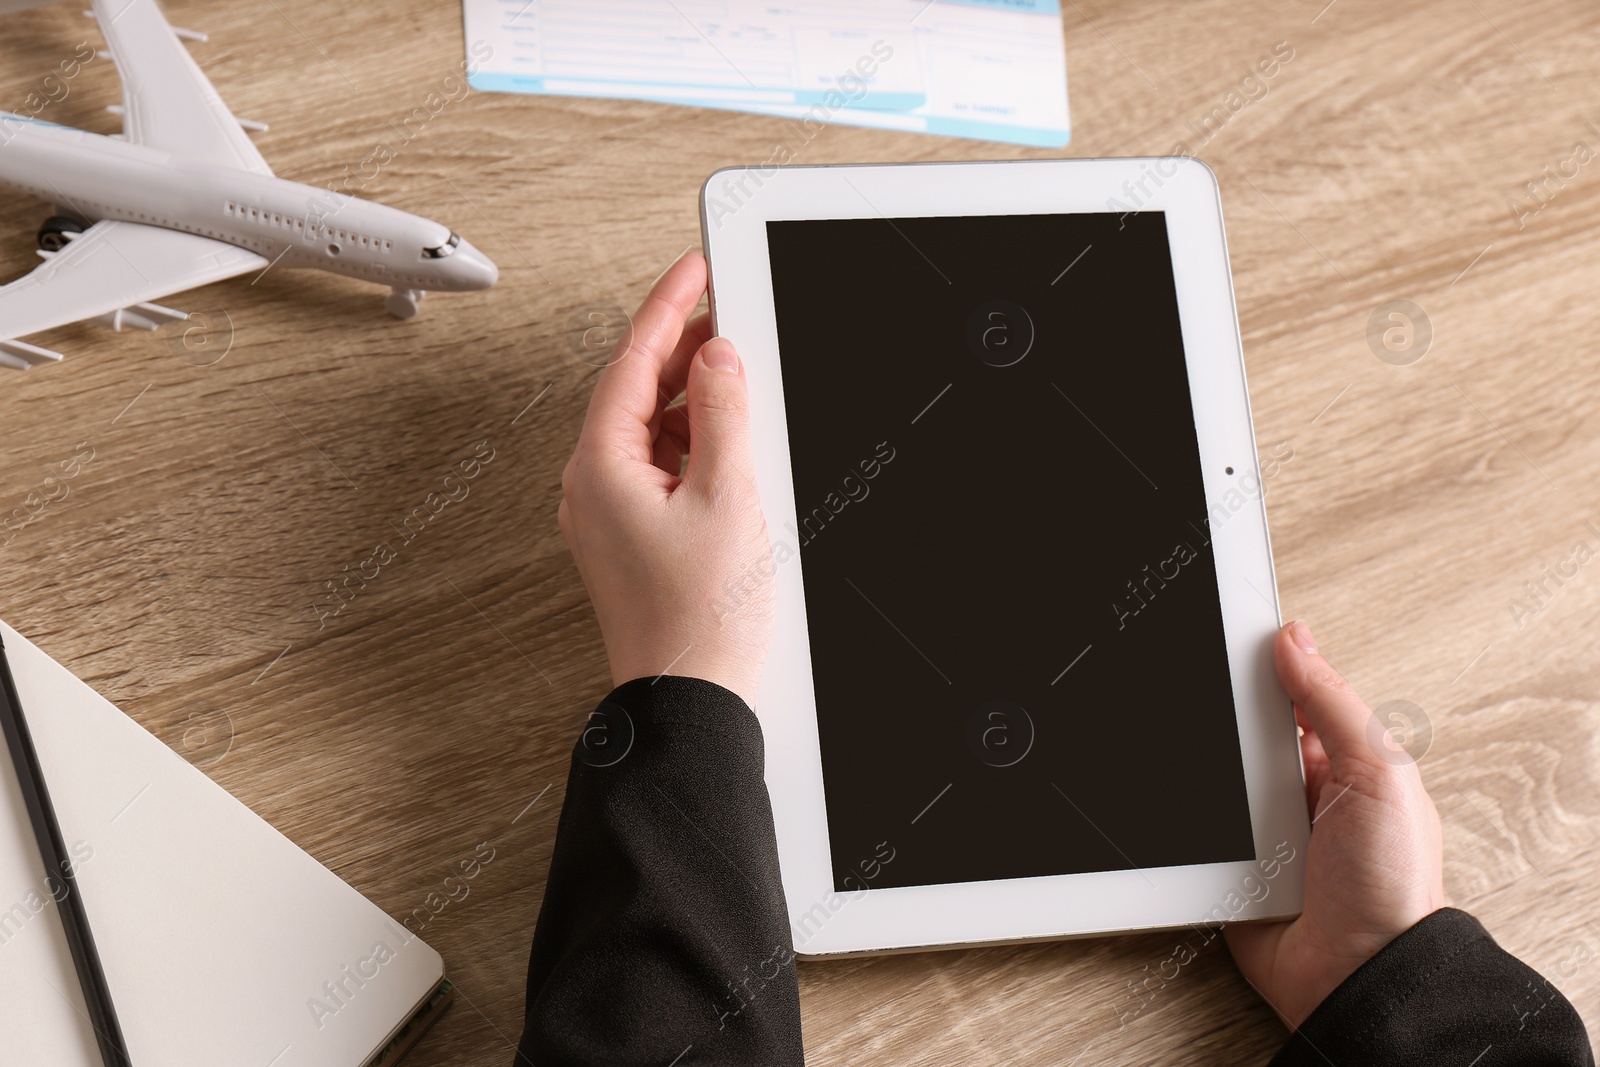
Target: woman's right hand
{"points": [[1376, 862]]}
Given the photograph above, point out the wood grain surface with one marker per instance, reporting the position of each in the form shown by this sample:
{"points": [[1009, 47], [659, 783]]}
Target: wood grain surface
{"points": [[179, 567]]}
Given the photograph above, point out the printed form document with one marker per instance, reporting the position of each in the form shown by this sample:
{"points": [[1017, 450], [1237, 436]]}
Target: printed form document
{"points": [[987, 69]]}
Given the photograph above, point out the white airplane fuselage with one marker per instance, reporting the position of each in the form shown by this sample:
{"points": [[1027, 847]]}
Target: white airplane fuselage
{"points": [[287, 223]]}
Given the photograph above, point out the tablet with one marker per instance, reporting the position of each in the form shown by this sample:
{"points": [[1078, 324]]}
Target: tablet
{"points": [[1021, 684]]}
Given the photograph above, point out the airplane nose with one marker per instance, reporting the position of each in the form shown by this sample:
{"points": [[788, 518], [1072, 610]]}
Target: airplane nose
{"points": [[472, 268]]}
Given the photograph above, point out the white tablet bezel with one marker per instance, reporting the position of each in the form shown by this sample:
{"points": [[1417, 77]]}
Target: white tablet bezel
{"points": [[736, 205]]}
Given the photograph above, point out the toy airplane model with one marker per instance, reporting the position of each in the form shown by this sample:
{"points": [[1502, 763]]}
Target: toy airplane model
{"points": [[182, 198]]}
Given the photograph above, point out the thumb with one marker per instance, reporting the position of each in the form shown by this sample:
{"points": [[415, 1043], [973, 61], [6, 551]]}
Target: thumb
{"points": [[718, 409], [1338, 716]]}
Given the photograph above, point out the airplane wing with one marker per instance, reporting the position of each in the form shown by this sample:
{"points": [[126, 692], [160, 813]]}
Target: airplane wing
{"points": [[111, 267], [167, 102]]}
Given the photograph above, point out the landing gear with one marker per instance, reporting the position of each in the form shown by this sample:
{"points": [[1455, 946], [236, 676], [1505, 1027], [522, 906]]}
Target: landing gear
{"points": [[54, 230], [404, 303]]}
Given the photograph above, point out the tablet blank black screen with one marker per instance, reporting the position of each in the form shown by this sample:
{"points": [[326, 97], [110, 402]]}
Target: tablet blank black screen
{"points": [[1016, 638]]}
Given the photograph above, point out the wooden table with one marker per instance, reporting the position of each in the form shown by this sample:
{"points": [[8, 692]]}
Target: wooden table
{"points": [[1385, 161]]}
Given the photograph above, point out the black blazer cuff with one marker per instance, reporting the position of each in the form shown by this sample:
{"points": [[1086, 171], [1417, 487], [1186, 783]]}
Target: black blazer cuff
{"points": [[1441, 993]]}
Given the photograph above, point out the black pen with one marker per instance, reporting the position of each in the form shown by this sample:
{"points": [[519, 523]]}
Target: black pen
{"points": [[59, 872]]}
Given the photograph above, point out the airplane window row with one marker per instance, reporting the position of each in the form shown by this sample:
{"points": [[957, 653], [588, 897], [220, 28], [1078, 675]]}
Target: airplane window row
{"points": [[272, 218], [361, 239]]}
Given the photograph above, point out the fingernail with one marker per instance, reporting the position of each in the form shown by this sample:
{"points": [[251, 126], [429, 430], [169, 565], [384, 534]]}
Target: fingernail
{"points": [[720, 355], [1301, 634]]}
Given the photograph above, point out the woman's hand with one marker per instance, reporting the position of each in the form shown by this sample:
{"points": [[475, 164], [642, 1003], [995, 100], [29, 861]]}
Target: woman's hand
{"points": [[1376, 860], [675, 554]]}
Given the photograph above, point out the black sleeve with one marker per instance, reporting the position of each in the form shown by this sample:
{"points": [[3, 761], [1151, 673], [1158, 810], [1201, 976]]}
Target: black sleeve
{"points": [[663, 938], [1442, 993]]}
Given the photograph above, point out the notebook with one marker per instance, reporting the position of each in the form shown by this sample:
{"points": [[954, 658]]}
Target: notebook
{"points": [[223, 943]]}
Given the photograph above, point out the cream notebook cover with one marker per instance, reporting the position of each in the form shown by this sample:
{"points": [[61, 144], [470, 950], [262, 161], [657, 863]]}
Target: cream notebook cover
{"points": [[224, 944]]}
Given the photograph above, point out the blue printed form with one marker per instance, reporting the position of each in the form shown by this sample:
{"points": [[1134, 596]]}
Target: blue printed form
{"points": [[987, 69]]}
